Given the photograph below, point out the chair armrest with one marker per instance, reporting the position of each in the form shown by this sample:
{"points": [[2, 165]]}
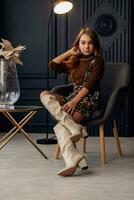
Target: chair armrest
{"points": [[63, 89], [116, 103]]}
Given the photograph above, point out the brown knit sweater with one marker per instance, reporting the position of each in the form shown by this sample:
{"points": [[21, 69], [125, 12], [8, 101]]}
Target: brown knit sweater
{"points": [[77, 75]]}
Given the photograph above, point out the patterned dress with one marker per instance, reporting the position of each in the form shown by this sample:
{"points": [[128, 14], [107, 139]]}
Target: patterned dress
{"points": [[88, 104]]}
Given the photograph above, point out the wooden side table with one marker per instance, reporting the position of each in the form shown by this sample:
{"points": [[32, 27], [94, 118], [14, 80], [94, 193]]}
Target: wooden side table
{"points": [[18, 126]]}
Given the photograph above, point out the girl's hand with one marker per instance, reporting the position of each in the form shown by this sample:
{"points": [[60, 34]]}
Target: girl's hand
{"points": [[75, 51], [69, 107]]}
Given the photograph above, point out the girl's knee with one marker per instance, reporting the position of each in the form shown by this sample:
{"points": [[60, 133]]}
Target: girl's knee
{"points": [[44, 93], [77, 117]]}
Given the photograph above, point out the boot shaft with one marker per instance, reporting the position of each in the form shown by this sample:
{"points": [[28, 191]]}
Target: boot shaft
{"points": [[68, 150]]}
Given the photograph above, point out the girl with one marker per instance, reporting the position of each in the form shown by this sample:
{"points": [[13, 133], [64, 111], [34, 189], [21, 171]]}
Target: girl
{"points": [[85, 67]]}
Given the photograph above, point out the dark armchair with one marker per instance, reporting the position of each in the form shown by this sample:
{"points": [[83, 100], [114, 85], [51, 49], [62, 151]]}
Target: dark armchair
{"points": [[113, 93]]}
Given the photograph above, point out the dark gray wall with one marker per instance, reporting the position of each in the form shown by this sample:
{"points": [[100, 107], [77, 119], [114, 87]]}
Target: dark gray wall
{"points": [[26, 21]]}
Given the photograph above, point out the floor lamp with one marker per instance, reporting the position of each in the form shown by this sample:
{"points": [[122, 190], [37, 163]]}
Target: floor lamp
{"points": [[60, 7]]}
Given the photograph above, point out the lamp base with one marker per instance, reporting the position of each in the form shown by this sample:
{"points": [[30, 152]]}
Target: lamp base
{"points": [[46, 141]]}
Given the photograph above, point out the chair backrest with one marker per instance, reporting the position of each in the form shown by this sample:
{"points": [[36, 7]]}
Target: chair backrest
{"points": [[115, 76]]}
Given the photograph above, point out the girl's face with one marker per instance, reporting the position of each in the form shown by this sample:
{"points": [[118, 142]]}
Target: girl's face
{"points": [[86, 45]]}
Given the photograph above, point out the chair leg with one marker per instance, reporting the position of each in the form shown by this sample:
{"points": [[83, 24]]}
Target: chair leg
{"points": [[116, 137], [84, 145], [57, 154], [102, 144]]}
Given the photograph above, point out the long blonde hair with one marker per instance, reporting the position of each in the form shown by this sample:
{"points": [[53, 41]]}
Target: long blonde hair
{"points": [[73, 60]]}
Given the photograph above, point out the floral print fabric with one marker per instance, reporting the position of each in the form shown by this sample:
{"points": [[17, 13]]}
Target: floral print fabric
{"points": [[87, 105]]}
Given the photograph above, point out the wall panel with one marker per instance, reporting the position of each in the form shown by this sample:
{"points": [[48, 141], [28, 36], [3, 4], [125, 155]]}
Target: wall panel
{"points": [[26, 22]]}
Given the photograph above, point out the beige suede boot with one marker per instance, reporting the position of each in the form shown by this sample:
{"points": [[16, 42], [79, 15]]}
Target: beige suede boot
{"points": [[54, 107], [71, 156]]}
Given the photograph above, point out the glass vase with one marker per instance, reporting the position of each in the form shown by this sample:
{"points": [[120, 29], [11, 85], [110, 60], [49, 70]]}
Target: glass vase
{"points": [[9, 84]]}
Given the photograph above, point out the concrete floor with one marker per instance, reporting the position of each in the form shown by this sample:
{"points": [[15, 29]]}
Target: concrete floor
{"points": [[26, 175]]}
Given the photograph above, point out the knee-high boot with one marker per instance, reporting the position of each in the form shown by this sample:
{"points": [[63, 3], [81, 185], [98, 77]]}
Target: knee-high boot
{"points": [[71, 156], [54, 107]]}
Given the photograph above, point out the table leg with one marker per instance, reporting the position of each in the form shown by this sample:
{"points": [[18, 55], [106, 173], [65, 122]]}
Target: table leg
{"points": [[13, 129], [11, 119], [19, 128], [33, 143]]}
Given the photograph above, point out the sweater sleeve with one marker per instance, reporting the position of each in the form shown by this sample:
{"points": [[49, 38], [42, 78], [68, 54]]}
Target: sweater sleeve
{"points": [[95, 76], [58, 67]]}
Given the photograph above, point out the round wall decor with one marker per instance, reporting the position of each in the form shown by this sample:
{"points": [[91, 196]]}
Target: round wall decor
{"points": [[105, 25]]}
